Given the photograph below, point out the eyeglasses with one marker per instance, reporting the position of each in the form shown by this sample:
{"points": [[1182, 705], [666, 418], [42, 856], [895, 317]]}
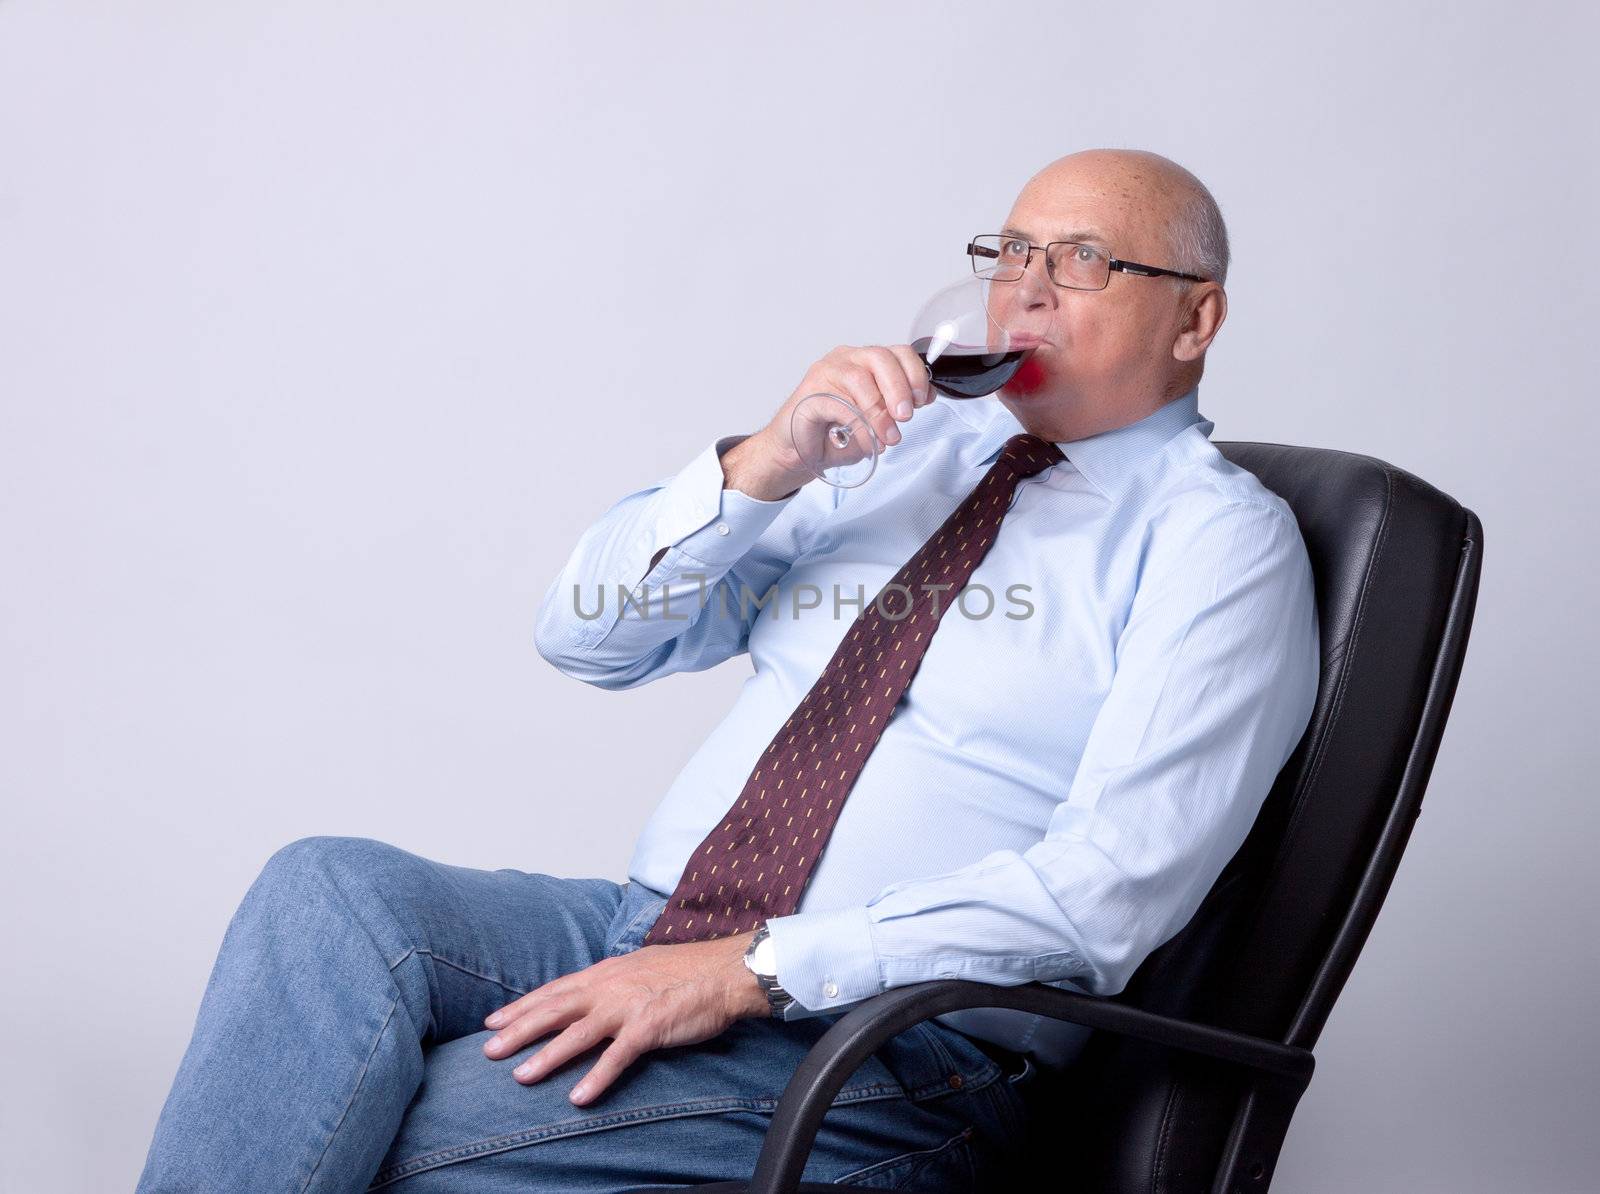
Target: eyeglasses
{"points": [[1070, 264]]}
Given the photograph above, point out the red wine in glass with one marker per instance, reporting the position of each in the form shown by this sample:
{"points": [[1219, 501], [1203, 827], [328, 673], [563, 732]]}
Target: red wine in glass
{"points": [[968, 371], [970, 346]]}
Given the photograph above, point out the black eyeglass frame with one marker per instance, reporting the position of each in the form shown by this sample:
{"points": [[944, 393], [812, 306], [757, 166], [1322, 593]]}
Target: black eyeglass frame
{"points": [[975, 250]]}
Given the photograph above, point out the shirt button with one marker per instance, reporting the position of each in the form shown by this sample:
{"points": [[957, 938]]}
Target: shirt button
{"points": [[830, 990], [722, 528]]}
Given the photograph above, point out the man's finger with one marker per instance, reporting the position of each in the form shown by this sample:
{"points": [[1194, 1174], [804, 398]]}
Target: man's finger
{"points": [[529, 1026], [579, 1037], [857, 383], [504, 1015], [538, 997], [894, 383], [618, 1056], [916, 369]]}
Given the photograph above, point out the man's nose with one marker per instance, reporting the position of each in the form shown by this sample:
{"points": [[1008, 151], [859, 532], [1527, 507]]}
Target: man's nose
{"points": [[1036, 289]]}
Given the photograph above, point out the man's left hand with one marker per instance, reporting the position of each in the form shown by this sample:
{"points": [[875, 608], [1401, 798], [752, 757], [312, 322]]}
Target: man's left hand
{"points": [[652, 998]]}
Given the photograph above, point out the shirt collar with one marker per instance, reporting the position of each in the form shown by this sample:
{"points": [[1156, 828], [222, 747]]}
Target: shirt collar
{"points": [[1106, 459]]}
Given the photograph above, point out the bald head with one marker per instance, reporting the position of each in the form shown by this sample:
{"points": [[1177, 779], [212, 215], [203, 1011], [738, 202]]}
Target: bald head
{"points": [[1165, 210]]}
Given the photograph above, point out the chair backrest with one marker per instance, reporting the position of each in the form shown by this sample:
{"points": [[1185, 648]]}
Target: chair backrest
{"points": [[1396, 564]]}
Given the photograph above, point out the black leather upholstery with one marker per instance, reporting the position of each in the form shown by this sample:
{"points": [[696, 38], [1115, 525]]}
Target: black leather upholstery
{"points": [[1387, 550]]}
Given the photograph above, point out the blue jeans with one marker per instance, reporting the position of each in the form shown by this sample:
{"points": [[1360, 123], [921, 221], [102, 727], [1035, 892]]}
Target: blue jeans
{"points": [[339, 1047]]}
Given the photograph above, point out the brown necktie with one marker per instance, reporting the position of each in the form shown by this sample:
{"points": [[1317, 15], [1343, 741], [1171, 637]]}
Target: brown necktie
{"points": [[757, 860]]}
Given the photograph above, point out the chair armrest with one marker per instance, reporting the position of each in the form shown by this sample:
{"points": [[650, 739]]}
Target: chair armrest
{"points": [[857, 1034]]}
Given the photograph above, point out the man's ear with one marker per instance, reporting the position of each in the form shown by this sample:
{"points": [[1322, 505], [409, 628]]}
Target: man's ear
{"points": [[1203, 313]]}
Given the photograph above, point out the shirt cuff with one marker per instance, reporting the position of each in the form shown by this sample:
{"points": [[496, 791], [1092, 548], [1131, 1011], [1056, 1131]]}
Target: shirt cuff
{"points": [[826, 960], [706, 522]]}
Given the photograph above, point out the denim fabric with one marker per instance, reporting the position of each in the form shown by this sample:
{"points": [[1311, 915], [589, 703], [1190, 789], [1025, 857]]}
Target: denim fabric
{"points": [[339, 1047]]}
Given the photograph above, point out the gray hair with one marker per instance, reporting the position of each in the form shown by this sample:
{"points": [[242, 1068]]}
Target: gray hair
{"points": [[1198, 237]]}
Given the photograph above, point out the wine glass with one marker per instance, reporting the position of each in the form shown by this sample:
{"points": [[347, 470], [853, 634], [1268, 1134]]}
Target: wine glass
{"points": [[972, 338]]}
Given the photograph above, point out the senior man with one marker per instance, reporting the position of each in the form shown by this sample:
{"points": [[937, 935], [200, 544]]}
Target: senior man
{"points": [[1042, 792]]}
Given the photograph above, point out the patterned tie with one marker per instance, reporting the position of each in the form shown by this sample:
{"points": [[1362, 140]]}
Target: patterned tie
{"points": [[756, 862]]}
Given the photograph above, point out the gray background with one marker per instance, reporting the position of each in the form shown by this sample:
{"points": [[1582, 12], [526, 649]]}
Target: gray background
{"points": [[325, 329]]}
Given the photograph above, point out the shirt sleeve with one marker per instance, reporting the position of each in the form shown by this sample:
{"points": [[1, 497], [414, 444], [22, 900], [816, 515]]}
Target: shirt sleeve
{"points": [[1216, 676], [668, 579]]}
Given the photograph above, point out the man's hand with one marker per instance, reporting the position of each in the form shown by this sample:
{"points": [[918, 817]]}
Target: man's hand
{"points": [[886, 383], [652, 998]]}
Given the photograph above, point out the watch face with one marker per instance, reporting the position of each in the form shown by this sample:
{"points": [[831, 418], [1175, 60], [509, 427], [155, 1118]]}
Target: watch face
{"points": [[763, 958]]}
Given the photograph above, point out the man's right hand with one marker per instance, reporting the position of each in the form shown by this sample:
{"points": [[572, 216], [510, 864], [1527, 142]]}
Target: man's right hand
{"points": [[887, 384]]}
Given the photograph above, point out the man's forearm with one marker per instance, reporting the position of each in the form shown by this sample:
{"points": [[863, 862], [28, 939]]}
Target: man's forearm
{"points": [[582, 628]]}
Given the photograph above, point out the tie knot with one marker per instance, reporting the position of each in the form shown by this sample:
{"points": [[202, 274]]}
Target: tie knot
{"points": [[1028, 454]]}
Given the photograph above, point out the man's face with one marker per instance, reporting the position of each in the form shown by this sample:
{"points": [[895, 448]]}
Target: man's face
{"points": [[1102, 349]]}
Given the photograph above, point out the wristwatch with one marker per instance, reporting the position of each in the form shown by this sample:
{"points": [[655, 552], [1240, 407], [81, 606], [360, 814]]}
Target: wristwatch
{"points": [[761, 957]]}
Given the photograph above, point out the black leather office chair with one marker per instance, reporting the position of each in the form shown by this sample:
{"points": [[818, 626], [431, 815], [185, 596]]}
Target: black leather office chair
{"points": [[1192, 1074]]}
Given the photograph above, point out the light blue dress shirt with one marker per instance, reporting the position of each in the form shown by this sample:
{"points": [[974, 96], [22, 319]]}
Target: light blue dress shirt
{"points": [[1065, 777]]}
